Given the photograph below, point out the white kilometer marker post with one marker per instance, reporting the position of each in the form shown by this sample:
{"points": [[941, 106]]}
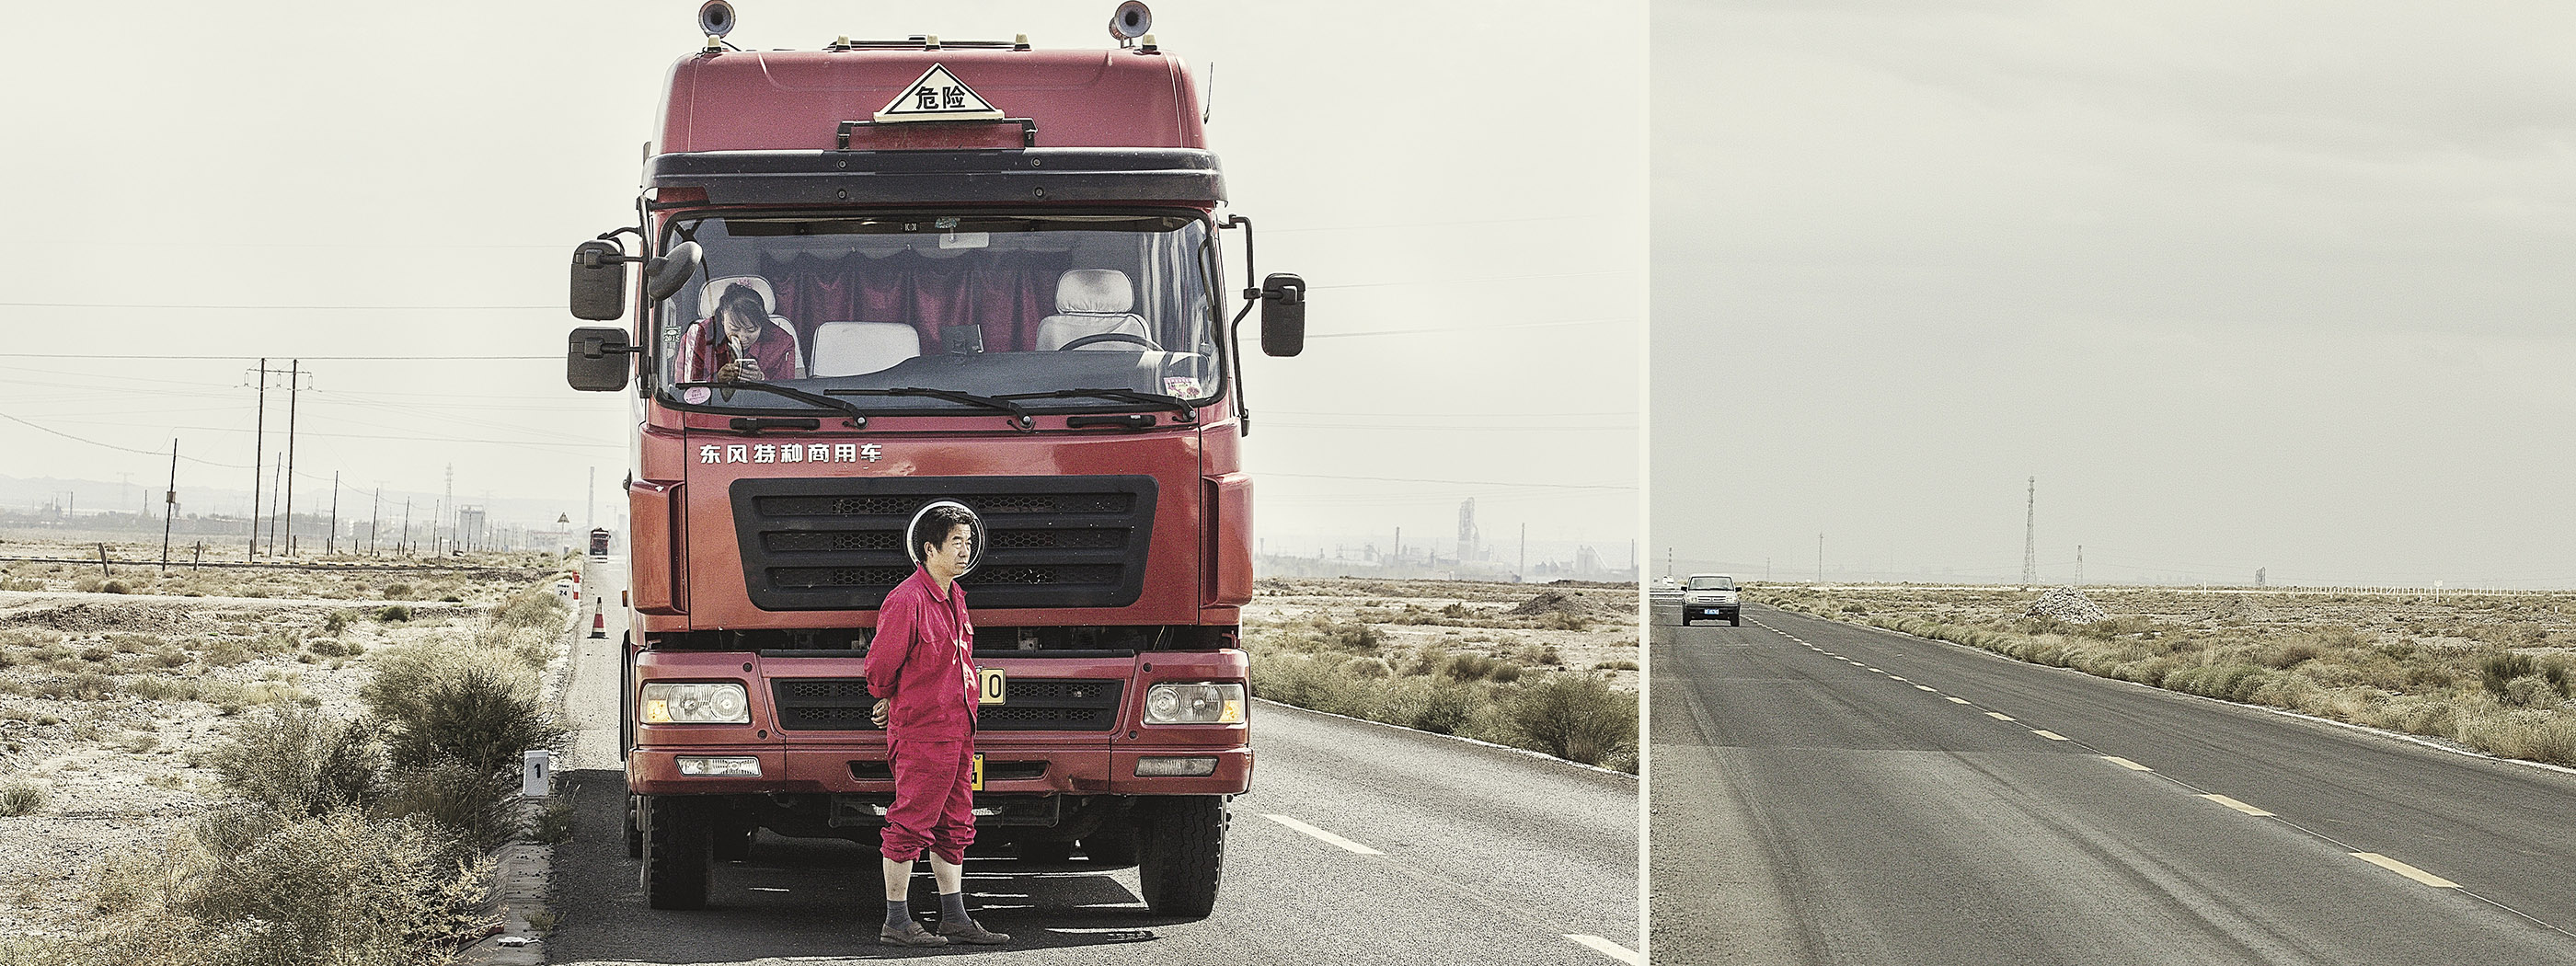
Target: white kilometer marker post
{"points": [[1608, 948], [1327, 837], [2125, 763], [2408, 871], [2239, 806]]}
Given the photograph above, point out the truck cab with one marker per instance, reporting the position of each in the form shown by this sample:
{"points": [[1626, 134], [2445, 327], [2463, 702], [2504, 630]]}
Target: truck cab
{"points": [[887, 273]]}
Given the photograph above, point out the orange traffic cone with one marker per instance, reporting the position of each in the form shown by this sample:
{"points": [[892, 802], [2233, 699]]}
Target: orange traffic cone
{"points": [[598, 622]]}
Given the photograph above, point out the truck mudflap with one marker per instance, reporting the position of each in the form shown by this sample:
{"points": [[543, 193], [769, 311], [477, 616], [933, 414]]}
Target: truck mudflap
{"points": [[1008, 770]]}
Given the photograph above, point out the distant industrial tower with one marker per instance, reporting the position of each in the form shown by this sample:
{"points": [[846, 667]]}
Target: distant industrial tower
{"points": [[2030, 537], [1470, 544]]}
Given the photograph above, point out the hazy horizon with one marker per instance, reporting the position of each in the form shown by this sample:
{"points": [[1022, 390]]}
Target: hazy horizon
{"points": [[2279, 287]]}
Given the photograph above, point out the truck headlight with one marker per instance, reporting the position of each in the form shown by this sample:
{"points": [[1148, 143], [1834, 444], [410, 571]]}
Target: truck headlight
{"points": [[1194, 704], [724, 703]]}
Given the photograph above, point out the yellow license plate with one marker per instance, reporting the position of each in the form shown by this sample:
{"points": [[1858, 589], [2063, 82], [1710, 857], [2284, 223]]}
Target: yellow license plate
{"points": [[975, 774], [993, 686]]}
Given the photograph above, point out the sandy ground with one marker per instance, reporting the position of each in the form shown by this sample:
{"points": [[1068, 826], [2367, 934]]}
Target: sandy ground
{"points": [[112, 702]]}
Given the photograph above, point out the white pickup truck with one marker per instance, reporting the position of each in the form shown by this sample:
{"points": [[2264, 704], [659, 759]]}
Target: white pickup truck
{"points": [[1712, 596]]}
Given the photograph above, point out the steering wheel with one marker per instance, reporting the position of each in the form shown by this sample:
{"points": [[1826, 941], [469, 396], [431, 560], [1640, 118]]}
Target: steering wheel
{"points": [[1098, 337]]}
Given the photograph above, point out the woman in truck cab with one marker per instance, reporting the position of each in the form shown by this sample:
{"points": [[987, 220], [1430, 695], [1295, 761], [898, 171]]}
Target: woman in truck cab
{"points": [[742, 342]]}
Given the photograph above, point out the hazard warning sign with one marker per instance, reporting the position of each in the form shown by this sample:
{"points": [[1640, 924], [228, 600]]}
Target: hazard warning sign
{"points": [[938, 96]]}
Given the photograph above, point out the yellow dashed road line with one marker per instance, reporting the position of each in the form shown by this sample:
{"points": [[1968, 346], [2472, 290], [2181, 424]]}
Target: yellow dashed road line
{"points": [[2237, 805], [2408, 871]]}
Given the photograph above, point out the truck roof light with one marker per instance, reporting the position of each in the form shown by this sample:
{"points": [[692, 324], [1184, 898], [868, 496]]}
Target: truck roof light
{"points": [[1147, 45], [1019, 41], [1130, 21], [715, 19]]}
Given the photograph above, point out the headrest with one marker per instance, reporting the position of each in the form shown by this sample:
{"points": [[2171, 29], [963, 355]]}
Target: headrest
{"points": [[715, 290], [1094, 290]]}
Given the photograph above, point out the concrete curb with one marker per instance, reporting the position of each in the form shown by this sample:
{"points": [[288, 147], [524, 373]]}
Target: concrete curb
{"points": [[523, 872]]}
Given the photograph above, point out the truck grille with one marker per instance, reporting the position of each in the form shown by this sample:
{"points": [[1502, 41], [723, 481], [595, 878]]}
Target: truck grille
{"points": [[1035, 704], [838, 544]]}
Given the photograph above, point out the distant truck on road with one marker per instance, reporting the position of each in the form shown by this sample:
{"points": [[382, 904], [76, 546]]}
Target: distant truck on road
{"points": [[1712, 596]]}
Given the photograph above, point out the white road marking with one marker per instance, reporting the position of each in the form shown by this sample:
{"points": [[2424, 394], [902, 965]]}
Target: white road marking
{"points": [[2050, 735], [2408, 871], [1956, 700], [1999, 716], [1324, 836], [1892, 677], [2239, 806], [2125, 763], [1608, 948], [1917, 687]]}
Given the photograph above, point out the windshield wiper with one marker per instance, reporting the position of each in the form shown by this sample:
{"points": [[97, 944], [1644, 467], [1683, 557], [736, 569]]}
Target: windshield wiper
{"points": [[844, 405], [1019, 413], [1174, 403]]}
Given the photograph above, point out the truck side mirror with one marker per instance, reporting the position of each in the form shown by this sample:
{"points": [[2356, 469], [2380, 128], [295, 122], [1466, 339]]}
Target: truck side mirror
{"points": [[1283, 315], [598, 281], [667, 275], [596, 359]]}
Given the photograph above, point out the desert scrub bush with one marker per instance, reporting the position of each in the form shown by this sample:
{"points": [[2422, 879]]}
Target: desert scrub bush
{"points": [[334, 647], [2523, 733], [336, 621], [397, 591], [476, 806], [2497, 670], [224, 652], [2533, 691], [393, 613], [298, 762], [1574, 716], [474, 706], [535, 608], [157, 688], [84, 686], [22, 796]]}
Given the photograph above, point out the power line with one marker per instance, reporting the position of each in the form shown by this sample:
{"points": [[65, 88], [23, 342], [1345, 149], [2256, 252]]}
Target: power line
{"points": [[1408, 479]]}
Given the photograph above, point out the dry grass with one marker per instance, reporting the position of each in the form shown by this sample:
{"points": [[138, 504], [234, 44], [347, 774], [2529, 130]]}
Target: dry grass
{"points": [[2494, 673], [1487, 663]]}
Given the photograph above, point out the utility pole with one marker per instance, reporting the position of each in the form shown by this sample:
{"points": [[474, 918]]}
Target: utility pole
{"points": [[2030, 537], [294, 386], [332, 543], [169, 505], [376, 521], [2079, 565], [276, 468], [258, 448], [1523, 566], [590, 504], [1820, 558], [404, 544]]}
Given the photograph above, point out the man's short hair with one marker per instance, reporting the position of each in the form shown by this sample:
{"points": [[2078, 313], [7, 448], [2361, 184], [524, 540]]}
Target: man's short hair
{"points": [[936, 523]]}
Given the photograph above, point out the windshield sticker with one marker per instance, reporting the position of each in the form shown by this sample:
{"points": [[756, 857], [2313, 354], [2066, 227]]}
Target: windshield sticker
{"points": [[938, 96], [696, 395], [1182, 386]]}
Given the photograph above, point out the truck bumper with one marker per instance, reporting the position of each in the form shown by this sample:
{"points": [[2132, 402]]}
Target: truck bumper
{"points": [[1008, 768]]}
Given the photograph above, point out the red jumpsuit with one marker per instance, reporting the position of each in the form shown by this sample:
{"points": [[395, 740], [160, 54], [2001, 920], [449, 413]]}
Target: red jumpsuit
{"points": [[922, 659]]}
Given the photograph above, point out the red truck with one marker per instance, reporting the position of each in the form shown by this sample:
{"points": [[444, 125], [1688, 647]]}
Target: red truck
{"points": [[892, 272]]}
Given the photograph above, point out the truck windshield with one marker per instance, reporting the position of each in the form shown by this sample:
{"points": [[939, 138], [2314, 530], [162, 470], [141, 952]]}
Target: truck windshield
{"points": [[868, 308]]}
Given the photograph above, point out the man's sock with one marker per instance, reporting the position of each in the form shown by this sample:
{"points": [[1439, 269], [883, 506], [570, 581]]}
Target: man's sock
{"points": [[898, 912], [952, 907]]}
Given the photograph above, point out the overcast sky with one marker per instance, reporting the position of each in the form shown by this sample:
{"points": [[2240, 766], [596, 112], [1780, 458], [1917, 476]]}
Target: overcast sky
{"points": [[2283, 285], [339, 180]]}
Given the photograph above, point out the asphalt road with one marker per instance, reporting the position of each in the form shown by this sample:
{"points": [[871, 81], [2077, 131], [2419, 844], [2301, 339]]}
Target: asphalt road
{"points": [[1484, 856], [1824, 793]]}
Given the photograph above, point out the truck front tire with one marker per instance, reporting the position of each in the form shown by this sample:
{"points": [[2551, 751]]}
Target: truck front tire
{"points": [[678, 845], [1181, 846]]}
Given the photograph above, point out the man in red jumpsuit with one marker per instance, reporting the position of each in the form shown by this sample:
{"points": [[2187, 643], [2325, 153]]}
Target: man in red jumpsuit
{"points": [[921, 665]]}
